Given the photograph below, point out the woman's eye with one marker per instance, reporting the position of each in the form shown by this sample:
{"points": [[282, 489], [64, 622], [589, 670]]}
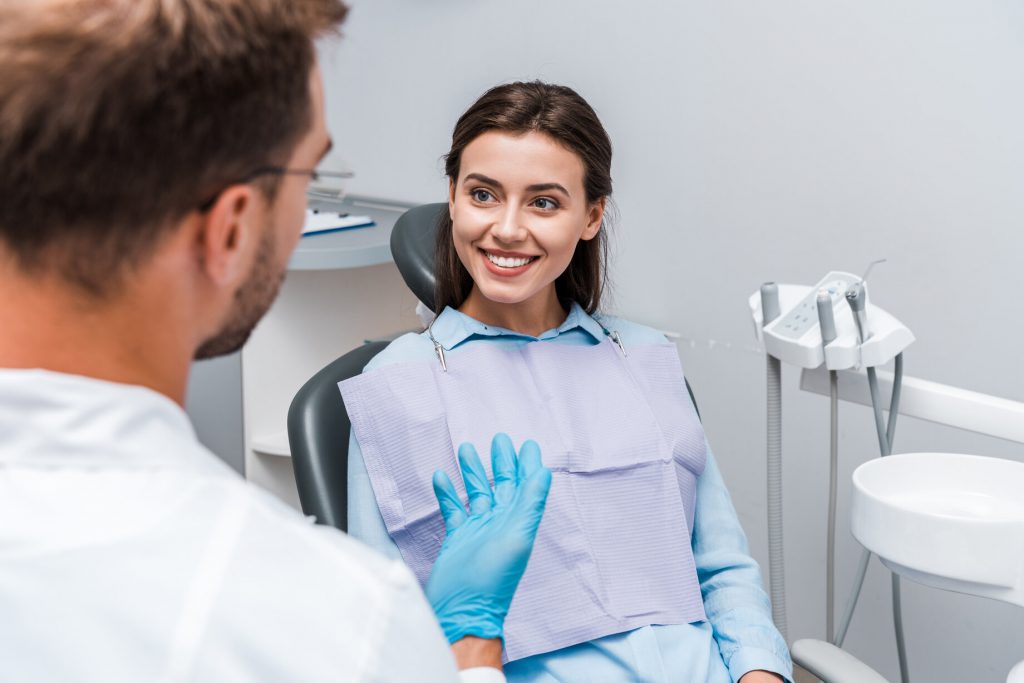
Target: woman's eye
{"points": [[545, 203], [481, 195]]}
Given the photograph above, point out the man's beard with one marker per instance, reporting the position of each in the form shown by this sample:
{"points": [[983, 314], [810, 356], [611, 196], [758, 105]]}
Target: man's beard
{"points": [[252, 300]]}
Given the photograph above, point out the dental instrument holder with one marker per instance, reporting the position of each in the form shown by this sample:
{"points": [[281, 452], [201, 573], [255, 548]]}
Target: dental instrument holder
{"points": [[794, 337], [829, 324]]}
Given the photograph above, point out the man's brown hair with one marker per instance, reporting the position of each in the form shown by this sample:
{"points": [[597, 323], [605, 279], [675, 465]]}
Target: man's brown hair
{"points": [[118, 117]]}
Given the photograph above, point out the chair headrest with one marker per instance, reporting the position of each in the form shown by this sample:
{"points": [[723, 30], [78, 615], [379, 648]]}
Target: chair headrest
{"points": [[412, 247]]}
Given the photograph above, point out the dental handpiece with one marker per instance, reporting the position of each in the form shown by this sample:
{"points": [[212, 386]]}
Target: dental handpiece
{"points": [[769, 302], [826, 319], [856, 296]]}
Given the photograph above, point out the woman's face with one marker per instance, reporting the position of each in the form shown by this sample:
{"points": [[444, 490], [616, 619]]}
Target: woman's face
{"points": [[518, 210]]}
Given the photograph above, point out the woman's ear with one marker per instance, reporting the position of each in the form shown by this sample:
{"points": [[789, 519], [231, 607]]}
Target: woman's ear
{"points": [[595, 216], [451, 199]]}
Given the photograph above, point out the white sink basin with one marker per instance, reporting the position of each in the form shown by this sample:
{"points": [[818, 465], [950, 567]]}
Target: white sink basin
{"points": [[950, 521]]}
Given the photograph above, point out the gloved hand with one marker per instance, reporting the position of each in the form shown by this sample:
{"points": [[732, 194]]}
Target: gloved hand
{"points": [[486, 551]]}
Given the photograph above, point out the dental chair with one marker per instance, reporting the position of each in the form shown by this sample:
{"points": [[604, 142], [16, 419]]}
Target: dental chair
{"points": [[319, 428]]}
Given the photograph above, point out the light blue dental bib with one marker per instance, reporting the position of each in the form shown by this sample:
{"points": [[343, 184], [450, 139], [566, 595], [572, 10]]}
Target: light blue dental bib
{"points": [[625, 447]]}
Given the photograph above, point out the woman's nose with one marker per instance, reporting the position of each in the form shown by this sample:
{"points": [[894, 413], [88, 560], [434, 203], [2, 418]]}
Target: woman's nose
{"points": [[509, 227]]}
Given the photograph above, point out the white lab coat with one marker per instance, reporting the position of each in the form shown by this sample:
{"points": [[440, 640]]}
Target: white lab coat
{"points": [[128, 552]]}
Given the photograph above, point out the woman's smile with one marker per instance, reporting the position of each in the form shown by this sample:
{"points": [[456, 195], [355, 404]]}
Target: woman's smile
{"points": [[506, 264]]}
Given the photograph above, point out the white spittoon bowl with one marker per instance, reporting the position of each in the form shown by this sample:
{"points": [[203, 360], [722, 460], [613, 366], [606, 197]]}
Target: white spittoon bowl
{"points": [[946, 520]]}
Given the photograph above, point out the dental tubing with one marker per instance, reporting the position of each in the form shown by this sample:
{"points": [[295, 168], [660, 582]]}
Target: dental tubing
{"points": [[885, 445], [776, 564], [827, 324], [833, 485], [886, 432]]}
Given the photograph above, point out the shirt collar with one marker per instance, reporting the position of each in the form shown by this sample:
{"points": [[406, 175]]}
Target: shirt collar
{"points": [[57, 419], [453, 327]]}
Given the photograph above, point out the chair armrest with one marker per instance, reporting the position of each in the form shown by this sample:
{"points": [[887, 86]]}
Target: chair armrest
{"points": [[318, 433], [831, 664]]}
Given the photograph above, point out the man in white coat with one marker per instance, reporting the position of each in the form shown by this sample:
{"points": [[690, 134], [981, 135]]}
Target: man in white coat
{"points": [[154, 158]]}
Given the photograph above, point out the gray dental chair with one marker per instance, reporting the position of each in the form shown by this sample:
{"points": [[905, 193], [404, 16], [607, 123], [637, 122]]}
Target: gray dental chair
{"points": [[318, 429]]}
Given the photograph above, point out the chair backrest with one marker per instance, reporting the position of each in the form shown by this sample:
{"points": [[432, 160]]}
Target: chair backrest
{"points": [[318, 424], [412, 246]]}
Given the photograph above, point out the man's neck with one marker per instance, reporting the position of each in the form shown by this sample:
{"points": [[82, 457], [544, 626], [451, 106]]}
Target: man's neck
{"points": [[48, 324]]}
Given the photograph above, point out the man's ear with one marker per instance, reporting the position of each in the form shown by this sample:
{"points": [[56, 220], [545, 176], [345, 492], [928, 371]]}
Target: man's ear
{"points": [[226, 234], [594, 217]]}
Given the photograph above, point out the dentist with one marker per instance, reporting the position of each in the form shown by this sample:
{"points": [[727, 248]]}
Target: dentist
{"points": [[154, 158]]}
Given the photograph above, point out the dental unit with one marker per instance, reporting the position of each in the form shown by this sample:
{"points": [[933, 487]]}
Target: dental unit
{"points": [[839, 338]]}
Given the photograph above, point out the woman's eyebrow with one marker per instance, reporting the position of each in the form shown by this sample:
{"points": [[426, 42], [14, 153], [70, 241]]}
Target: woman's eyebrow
{"points": [[547, 187], [481, 178], [537, 187]]}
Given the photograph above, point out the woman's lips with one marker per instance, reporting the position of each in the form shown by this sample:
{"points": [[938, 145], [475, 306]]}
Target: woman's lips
{"points": [[507, 264]]}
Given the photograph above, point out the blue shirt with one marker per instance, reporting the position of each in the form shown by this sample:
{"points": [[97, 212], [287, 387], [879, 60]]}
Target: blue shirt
{"points": [[738, 636]]}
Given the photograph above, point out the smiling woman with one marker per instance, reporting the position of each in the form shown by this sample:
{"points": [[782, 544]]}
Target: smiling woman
{"points": [[518, 212], [641, 569], [544, 144]]}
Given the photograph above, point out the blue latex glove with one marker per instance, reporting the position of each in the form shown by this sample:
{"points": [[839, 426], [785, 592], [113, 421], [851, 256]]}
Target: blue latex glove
{"points": [[486, 550]]}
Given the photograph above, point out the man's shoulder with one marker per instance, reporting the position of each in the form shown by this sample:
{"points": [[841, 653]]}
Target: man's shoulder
{"points": [[297, 570], [286, 541], [304, 600]]}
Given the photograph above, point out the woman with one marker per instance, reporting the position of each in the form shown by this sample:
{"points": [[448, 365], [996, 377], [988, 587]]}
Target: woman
{"points": [[641, 570]]}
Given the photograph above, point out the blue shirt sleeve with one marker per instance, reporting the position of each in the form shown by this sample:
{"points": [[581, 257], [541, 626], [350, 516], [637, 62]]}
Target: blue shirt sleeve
{"points": [[364, 519], [735, 602]]}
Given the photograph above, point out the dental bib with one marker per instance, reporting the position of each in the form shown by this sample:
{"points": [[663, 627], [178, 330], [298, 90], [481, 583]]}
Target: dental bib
{"points": [[620, 435]]}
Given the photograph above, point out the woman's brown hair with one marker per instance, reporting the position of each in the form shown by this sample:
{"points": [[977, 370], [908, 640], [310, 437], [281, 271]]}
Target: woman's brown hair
{"points": [[560, 113]]}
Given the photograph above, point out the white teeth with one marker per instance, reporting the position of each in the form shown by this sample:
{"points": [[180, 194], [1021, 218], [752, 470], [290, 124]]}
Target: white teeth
{"points": [[508, 262]]}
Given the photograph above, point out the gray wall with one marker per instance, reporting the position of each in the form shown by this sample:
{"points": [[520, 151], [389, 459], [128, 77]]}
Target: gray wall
{"points": [[214, 404], [754, 141]]}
